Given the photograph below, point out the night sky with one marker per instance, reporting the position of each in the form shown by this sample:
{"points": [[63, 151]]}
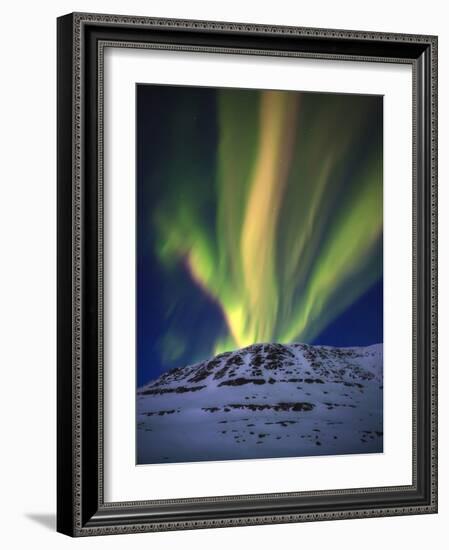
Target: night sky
{"points": [[259, 219]]}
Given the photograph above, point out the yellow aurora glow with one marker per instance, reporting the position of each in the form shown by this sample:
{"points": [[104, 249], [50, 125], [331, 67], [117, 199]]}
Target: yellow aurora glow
{"points": [[293, 244]]}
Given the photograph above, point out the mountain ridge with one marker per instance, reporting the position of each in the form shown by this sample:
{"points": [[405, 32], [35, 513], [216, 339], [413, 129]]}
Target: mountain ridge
{"points": [[317, 386]]}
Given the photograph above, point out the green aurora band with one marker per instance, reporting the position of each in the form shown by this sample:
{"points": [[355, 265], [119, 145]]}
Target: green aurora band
{"points": [[287, 231]]}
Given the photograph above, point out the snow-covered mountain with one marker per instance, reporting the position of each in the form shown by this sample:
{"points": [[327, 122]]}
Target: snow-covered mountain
{"points": [[264, 401]]}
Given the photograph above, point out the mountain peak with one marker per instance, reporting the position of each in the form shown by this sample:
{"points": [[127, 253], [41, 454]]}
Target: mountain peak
{"points": [[316, 387], [259, 363]]}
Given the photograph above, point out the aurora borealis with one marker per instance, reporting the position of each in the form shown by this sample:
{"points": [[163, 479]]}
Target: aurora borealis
{"points": [[259, 219]]}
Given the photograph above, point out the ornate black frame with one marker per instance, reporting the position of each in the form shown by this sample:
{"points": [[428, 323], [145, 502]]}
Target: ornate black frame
{"points": [[81, 507]]}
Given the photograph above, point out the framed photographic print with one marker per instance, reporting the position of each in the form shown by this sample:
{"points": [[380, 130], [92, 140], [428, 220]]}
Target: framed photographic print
{"points": [[247, 327]]}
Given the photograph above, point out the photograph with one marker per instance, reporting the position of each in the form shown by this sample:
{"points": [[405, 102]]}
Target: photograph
{"points": [[259, 274], [247, 259], [221, 275]]}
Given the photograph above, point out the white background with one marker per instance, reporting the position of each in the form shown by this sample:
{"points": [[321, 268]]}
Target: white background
{"points": [[123, 481], [27, 232]]}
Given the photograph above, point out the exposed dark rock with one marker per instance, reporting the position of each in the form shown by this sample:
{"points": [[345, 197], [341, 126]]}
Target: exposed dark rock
{"points": [[179, 389], [242, 381]]}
